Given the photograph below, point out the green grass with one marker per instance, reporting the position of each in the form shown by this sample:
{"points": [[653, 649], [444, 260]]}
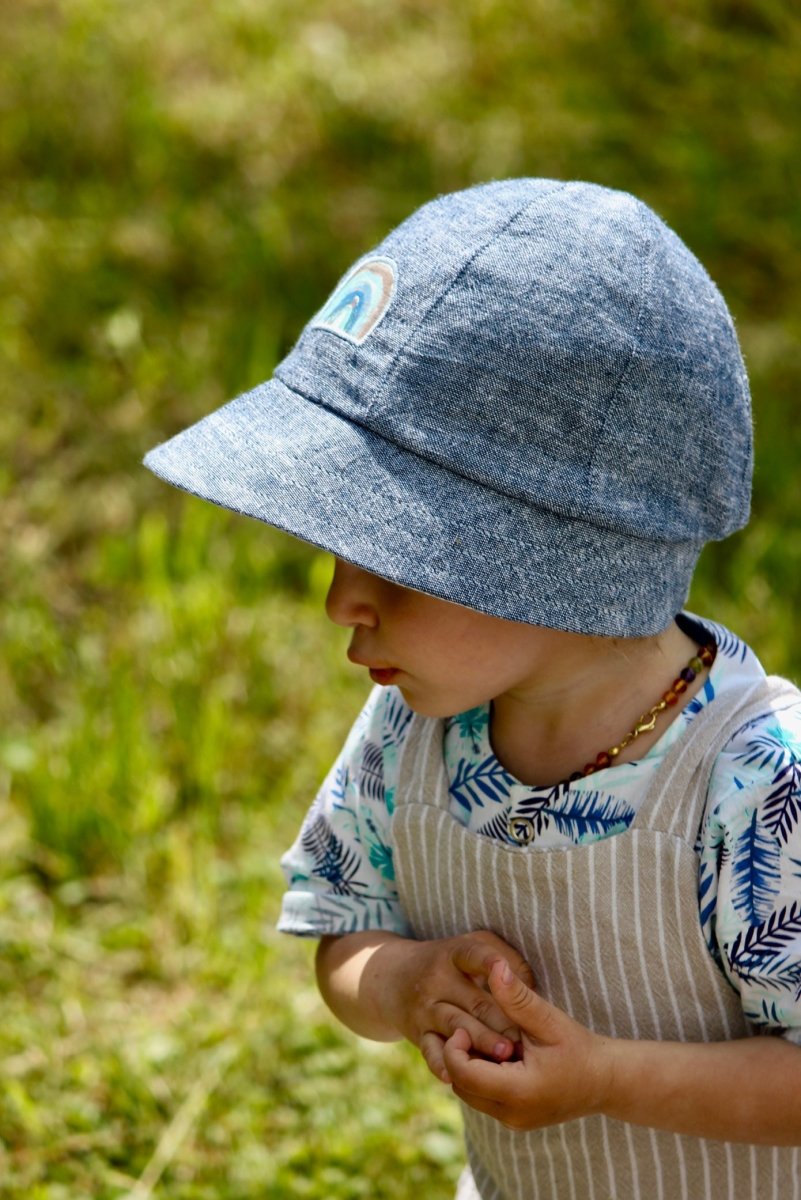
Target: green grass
{"points": [[183, 185], [180, 1044]]}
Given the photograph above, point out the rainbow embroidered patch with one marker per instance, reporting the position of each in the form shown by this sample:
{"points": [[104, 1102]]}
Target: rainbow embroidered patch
{"points": [[359, 302]]}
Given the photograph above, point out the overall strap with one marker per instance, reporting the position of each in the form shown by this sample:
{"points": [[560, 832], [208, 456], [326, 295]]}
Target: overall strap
{"points": [[421, 768], [675, 799]]}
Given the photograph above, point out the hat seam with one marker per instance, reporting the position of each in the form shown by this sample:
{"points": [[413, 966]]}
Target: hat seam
{"points": [[593, 471], [558, 185]]}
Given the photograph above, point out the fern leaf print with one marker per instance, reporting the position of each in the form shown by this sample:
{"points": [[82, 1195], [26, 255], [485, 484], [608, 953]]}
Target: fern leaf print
{"points": [[371, 772], [782, 807], [587, 816], [766, 1014], [333, 861], [769, 954], [755, 871], [339, 783], [729, 645], [770, 746], [396, 718], [378, 851], [707, 895], [700, 701], [472, 726], [477, 783]]}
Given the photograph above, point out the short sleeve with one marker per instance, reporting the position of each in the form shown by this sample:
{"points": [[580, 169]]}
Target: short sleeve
{"points": [[750, 880], [340, 871]]}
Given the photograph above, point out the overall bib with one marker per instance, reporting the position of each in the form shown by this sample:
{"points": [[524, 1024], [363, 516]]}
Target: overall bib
{"points": [[612, 931]]}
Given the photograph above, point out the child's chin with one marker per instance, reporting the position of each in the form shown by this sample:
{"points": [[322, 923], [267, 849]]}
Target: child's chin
{"points": [[428, 705]]}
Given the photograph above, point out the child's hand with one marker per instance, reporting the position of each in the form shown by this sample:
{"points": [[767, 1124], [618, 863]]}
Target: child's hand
{"points": [[563, 1073], [440, 986]]}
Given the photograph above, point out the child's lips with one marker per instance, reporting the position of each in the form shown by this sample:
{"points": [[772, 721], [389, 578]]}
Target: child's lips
{"points": [[378, 674], [383, 675]]}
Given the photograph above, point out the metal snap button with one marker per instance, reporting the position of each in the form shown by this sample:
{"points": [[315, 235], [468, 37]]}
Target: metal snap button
{"points": [[521, 830]]}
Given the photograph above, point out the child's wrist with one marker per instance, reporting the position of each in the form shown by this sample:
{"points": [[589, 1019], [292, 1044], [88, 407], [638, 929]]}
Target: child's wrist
{"points": [[626, 1073], [608, 1069]]}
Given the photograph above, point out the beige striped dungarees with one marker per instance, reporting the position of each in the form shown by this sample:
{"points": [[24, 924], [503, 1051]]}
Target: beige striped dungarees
{"points": [[612, 931]]}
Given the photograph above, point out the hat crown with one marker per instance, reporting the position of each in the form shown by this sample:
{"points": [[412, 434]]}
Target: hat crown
{"points": [[557, 343]]}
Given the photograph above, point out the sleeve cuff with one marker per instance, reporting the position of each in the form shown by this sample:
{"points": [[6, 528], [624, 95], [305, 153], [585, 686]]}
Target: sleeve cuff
{"points": [[307, 914]]}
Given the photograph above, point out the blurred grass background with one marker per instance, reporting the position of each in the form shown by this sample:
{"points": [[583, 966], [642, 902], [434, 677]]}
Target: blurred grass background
{"points": [[182, 186]]}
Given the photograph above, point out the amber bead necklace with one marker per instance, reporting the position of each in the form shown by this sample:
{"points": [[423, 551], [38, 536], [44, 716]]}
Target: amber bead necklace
{"points": [[704, 657]]}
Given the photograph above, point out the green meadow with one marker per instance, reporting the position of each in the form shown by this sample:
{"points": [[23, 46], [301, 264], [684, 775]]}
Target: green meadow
{"points": [[182, 185]]}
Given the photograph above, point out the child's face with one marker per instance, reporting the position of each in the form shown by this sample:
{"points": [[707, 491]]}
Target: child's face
{"points": [[444, 658]]}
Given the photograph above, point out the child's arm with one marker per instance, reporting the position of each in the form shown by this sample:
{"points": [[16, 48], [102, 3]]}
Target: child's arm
{"points": [[747, 1090], [384, 987]]}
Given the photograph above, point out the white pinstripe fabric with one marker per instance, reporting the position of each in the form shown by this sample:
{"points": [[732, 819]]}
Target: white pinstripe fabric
{"points": [[612, 931]]}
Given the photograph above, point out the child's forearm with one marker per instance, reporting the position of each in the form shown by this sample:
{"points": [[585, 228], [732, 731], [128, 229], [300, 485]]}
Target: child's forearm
{"points": [[742, 1091], [354, 985]]}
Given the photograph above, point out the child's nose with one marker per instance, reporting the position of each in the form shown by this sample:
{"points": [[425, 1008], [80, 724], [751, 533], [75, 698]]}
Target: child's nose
{"points": [[349, 601]]}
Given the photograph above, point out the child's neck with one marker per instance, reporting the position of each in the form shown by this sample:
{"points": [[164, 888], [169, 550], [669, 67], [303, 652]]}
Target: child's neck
{"points": [[545, 733]]}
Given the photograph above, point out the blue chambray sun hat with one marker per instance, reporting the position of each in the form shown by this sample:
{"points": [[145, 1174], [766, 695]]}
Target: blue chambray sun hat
{"points": [[528, 399]]}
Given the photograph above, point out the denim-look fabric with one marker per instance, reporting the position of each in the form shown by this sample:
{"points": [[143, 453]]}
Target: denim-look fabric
{"points": [[544, 415]]}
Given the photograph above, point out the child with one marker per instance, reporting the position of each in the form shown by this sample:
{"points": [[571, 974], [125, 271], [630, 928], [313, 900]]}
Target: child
{"points": [[560, 849]]}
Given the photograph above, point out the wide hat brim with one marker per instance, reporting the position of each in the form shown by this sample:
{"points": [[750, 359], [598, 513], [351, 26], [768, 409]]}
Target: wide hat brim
{"points": [[274, 455]]}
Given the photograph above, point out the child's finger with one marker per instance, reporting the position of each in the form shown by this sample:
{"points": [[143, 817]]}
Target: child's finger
{"points": [[460, 1044], [471, 1075], [485, 1040], [477, 956], [534, 1015], [465, 997], [431, 1045]]}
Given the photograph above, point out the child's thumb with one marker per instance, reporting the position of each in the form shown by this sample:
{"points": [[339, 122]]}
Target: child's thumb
{"points": [[529, 1011]]}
